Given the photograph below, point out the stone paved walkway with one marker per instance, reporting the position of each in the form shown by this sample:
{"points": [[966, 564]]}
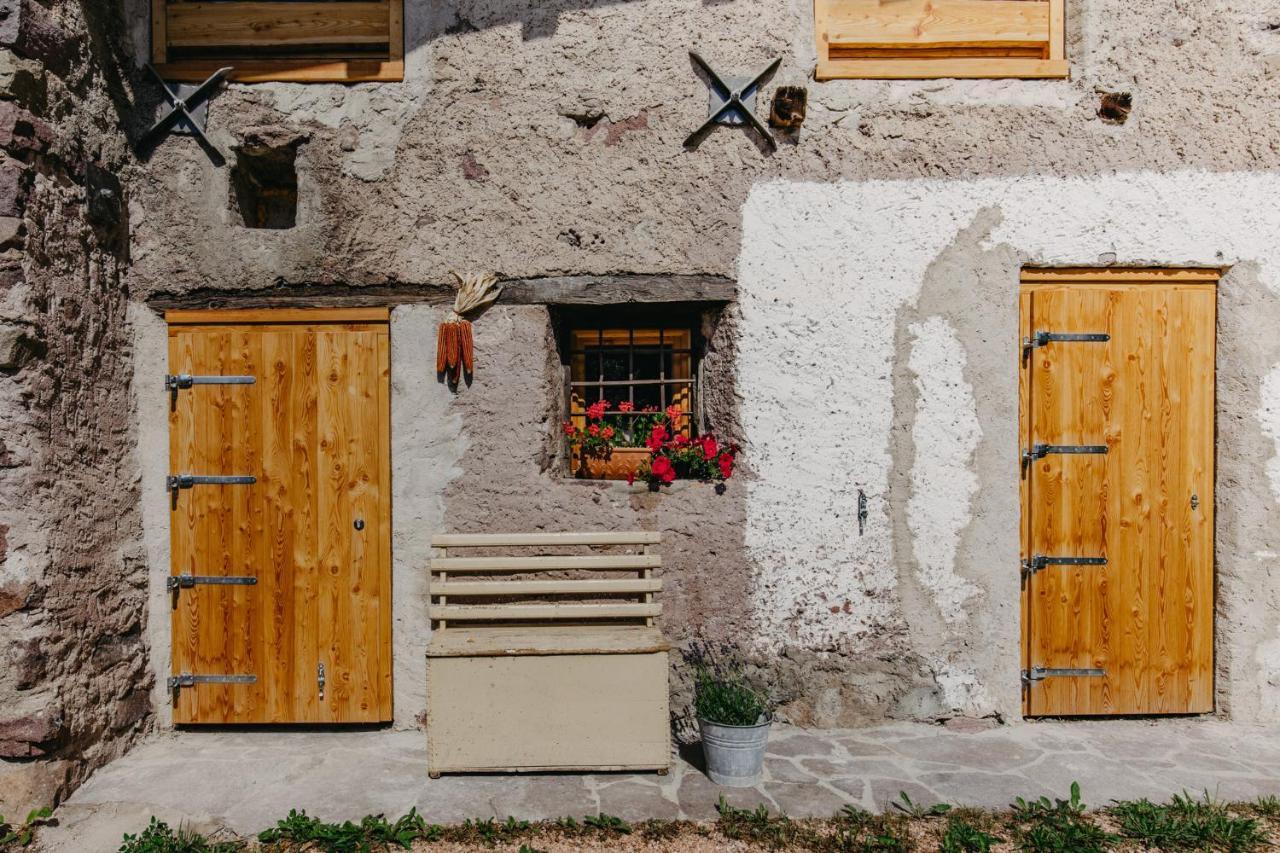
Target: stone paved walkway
{"points": [[245, 781]]}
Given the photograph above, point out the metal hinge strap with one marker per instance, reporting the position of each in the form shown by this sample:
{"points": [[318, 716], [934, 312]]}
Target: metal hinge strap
{"points": [[1040, 673], [176, 482], [1040, 339], [173, 383], [1039, 451], [186, 679], [1040, 561], [187, 581]]}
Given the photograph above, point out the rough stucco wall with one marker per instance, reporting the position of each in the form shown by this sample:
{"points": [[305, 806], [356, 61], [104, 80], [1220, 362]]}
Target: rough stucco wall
{"points": [[545, 137], [73, 681], [913, 248]]}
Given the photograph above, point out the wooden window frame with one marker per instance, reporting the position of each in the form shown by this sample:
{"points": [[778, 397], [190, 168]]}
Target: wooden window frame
{"points": [[630, 320], [931, 39], [285, 69]]}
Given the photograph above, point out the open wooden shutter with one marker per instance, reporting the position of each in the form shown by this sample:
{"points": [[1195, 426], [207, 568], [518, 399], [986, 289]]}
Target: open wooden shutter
{"points": [[298, 40], [939, 38]]}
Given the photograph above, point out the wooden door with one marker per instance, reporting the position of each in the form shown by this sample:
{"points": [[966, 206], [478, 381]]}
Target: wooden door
{"points": [[1117, 546], [286, 615]]}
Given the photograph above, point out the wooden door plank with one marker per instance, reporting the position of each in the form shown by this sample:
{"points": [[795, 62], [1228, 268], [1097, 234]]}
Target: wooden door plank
{"points": [[306, 505], [1025, 362], [362, 581], [385, 705], [938, 23], [277, 412], [282, 25]]}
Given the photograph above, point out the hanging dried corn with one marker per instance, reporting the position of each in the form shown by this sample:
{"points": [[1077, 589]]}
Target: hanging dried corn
{"points": [[455, 347]]}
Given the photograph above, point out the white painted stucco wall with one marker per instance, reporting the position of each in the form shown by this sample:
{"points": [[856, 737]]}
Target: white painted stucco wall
{"points": [[824, 271]]}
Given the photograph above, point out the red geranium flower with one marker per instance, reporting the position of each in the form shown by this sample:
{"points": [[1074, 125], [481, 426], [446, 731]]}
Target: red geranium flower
{"points": [[625, 406], [657, 437], [709, 446], [597, 409], [726, 465], [682, 441], [662, 469], [594, 429], [607, 432], [674, 413], [569, 429]]}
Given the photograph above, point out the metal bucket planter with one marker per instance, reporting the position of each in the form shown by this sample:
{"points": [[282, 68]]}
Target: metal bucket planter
{"points": [[734, 754]]}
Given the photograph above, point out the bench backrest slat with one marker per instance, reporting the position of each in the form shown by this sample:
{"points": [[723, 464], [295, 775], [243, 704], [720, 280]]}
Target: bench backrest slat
{"points": [[498, 598]]}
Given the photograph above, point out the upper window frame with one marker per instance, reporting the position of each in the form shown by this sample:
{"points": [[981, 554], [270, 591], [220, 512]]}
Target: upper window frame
{"points": [[935, 39], [316, 68]]}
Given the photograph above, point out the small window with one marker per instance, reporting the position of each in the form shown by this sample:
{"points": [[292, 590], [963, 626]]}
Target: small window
{"points": [[644, 371], [921, 39], [345, 41]]}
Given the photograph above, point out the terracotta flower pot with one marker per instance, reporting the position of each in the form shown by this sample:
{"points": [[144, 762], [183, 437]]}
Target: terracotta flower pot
{"points": [[617, 465]]}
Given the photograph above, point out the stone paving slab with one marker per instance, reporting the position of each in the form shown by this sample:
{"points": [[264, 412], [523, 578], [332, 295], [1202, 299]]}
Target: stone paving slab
{"points": [[245, 781]]}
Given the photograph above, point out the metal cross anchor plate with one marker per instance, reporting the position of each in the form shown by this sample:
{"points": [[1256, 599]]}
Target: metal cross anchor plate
{"points": [[188, 108], [733, 101]]}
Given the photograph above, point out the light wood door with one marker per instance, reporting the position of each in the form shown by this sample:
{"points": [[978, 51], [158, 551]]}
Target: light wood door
{"points": [[306, 546], [1133, 635]]}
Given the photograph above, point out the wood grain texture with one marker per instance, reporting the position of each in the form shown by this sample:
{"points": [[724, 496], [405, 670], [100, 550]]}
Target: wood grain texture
{"points": [[288, 70], [282, 25], [924, 39], [312, 429], [937, 23], [1146, 617], [276, 316], [492, 540]]}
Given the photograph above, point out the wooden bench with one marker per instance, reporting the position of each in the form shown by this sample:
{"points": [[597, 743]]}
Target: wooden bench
{"points": [[536, 662]]}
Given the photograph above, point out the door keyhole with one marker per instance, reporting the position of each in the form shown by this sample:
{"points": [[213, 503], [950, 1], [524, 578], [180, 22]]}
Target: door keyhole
{"points": [[359, 524]]}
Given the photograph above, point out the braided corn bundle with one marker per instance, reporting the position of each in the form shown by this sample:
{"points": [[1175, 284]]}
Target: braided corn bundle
{"points": [[455, 344]]}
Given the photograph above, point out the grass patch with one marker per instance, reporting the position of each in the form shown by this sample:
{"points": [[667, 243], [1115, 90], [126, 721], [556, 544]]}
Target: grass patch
{"points": [[966, 835], [159, 837], [1041, 826], [373, 832], [1186, 823], [757, 826]]}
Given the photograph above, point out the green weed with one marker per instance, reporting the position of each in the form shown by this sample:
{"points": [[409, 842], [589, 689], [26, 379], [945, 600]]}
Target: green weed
{"points": [[1058, 827], [23, 833], [907, 807], [1187, 824], [373, 832], [607, 823], [961, 836], [159, 837], [756, 826]]}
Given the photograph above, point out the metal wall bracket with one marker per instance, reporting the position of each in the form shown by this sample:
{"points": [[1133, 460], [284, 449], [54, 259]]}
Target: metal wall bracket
{"points": [[1040, 673], [320, 678], [187, 581], [733, 101], [176, 482], [177, 682], [1040, 339], [187, 111], [1040, 561]]}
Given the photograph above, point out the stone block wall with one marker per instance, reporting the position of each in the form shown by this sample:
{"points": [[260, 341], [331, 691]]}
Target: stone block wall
{"points": [[73, 679]]}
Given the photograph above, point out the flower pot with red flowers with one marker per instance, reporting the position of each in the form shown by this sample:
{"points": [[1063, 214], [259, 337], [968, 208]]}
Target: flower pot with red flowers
{"points": [[647, 444]]}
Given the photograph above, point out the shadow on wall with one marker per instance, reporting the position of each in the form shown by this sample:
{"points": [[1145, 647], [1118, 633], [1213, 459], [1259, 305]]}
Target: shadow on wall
{"points": [[538, 18]]}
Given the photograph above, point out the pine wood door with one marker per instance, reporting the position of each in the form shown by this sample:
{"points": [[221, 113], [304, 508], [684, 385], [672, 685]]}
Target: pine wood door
{"points": [[1133, 635], [306, 546]]}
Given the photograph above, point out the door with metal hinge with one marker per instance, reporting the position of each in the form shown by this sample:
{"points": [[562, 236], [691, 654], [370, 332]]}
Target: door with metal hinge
{"points": [[279, 489], [1117, 444]]}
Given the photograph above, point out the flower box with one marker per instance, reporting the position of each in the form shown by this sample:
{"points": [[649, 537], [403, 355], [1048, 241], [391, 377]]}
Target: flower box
{"points": [[618, 463]]}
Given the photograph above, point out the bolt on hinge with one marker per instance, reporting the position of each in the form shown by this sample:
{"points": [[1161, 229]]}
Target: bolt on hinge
{"points": [[320, 678], [1040, 451], [176, 582], [173, 383]]}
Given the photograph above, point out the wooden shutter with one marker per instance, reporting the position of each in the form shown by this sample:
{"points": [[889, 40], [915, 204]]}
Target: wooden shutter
{"points": [[295, 40], [939, 38]]}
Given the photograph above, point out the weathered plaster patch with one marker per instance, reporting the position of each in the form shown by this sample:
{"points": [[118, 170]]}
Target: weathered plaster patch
{"points": [[824, 269], [1269, 419], [945, 434]]}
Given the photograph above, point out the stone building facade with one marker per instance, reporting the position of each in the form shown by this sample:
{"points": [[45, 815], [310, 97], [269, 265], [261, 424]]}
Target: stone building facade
{"points": [[856, 289]]}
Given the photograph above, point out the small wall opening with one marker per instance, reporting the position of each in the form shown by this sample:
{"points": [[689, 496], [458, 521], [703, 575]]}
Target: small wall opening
{"points": [[264, 186]]}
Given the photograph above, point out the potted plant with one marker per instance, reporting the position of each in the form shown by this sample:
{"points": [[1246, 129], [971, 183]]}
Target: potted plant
{"points": [[734, 722], [645, 443]]}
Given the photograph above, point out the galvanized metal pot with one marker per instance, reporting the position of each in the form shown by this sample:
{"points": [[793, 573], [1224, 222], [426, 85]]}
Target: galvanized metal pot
{"points": [[734, 754]]}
